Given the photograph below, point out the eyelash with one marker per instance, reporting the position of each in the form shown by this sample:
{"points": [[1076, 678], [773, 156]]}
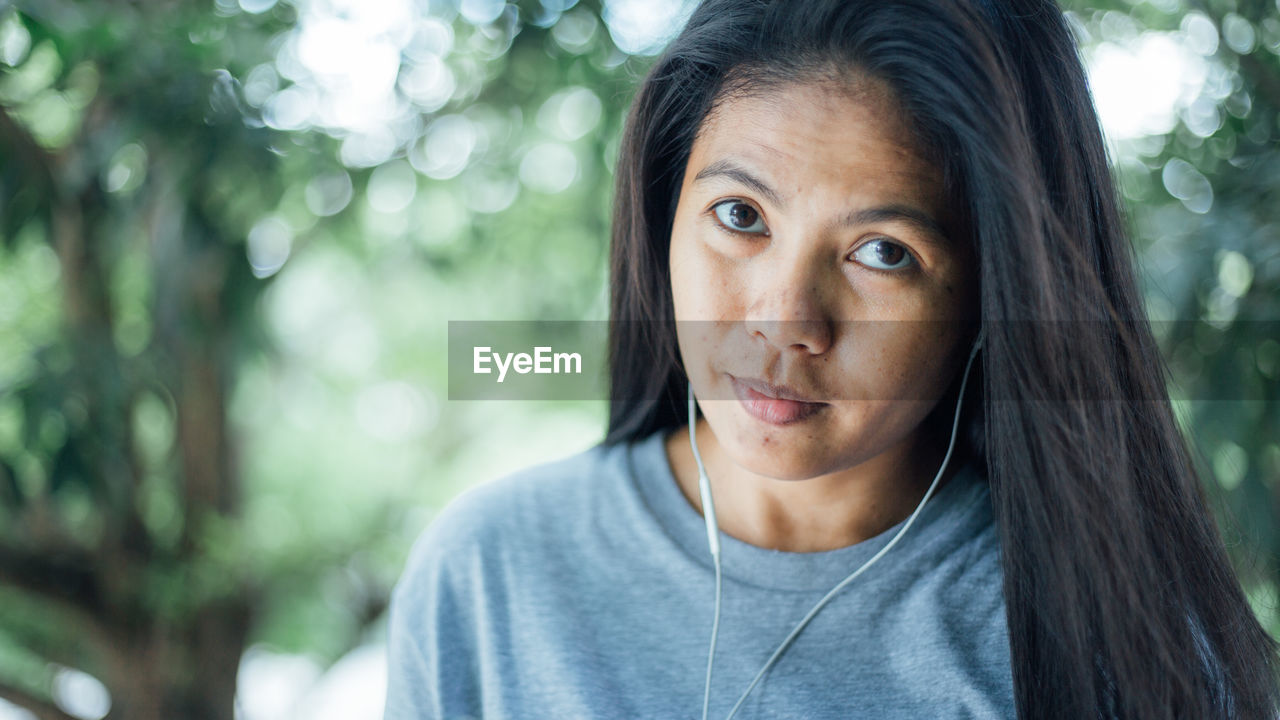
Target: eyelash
{"points": [[715, 219]]}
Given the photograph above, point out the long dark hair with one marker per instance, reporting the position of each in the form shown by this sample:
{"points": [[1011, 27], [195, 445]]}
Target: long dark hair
{"points": [[1121, 601]]}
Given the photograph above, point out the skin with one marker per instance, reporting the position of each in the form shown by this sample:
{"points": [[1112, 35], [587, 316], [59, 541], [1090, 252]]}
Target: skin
{"points": [[792, 296]]}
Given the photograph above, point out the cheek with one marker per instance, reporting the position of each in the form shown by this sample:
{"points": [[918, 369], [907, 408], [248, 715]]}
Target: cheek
{"points": [[916, 366], [898, 360], [701, 288], [702, 296], [680, 272]]}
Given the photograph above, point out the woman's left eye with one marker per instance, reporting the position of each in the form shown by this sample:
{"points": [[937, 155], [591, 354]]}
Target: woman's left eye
{"points": [[882, 254], [739, 217]]}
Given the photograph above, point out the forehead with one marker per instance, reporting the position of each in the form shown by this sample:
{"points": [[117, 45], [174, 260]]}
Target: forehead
{"points": [[849, 138]]}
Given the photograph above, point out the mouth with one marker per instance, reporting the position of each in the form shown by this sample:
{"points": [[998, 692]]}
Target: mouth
{"points": [[773, 404]]}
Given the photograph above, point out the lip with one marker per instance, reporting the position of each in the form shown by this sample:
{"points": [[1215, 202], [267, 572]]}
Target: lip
{"points": [[774, 404]]}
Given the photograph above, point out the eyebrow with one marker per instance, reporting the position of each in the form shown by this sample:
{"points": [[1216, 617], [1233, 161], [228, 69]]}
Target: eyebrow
{"points": [[726, 168], [932, 231], [883, 213]]}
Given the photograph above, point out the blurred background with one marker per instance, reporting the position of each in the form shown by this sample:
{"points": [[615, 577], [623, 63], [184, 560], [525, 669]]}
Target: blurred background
{"points": [[232, 233]]}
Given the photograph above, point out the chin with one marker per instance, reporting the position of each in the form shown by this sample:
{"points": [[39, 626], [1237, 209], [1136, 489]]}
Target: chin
{"points": [[782, 469], [781, 453]]}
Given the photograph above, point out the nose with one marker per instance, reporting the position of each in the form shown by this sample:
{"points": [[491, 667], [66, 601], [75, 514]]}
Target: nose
{"points": [[789, 311]]}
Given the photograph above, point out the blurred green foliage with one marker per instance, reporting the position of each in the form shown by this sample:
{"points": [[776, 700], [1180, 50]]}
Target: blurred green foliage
{"points": [[232, 235]]}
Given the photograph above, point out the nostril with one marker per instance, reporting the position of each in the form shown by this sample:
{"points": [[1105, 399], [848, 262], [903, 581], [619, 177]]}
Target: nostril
{"points": [[811, 336]]}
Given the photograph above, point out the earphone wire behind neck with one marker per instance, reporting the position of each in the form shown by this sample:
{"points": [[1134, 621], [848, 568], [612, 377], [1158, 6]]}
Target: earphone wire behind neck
{"points": [[713, 539]]}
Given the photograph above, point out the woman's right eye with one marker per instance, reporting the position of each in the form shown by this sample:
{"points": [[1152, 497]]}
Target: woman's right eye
{"points": [[739, 217]]}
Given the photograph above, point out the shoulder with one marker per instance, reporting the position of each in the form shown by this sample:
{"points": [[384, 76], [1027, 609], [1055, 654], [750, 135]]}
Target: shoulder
{"points": [[482, 547], [963, 554], [515, 514]]}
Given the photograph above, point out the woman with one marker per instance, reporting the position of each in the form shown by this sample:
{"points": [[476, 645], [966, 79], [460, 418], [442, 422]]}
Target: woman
{"points": [[877, 243]]}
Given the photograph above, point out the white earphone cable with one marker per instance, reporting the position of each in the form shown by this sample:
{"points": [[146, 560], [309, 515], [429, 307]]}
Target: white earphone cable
{"points": [[713, 542]]}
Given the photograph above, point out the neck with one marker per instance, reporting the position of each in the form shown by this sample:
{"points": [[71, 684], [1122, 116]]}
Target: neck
{"points": [[820, 513]]}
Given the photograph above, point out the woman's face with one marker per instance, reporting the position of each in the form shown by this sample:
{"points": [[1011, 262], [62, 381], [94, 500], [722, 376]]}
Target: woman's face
{"points": [[809, 229]]}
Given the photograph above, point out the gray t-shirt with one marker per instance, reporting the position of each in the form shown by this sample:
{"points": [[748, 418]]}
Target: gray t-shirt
{"points": [[583, 588]]}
